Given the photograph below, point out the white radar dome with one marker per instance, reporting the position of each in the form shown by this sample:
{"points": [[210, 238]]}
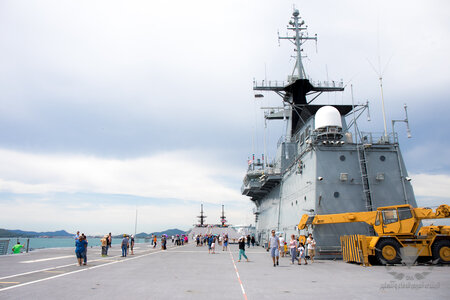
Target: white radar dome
{"points": [[328, 116]]}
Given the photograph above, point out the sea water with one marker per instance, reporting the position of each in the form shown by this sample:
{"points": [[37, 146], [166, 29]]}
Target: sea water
{"points": [[41, 243]]}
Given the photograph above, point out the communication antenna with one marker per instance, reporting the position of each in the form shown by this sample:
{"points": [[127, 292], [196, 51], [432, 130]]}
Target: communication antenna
{"points": [[380, 74], [408, 131], [368, 111]]}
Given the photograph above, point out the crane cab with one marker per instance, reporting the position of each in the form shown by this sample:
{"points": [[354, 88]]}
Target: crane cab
{"points": [[395, 220]]}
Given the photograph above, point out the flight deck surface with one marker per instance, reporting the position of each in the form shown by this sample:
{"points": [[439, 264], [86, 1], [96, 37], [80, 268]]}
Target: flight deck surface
{"points": [[189, 272]]}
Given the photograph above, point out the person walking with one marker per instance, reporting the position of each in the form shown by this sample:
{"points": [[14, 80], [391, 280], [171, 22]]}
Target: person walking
{"points": [[104, 242], [248, 240], [301, 254], [132, 244], [85, 249], [253, 241], [80, 246], [109, 241], [242, 249], [210, 241], [213, 245], [274, 246], [155, 239], [281, 239], [124, 245], [293, 248], [225, 243], [311, 247], [77, 237]]}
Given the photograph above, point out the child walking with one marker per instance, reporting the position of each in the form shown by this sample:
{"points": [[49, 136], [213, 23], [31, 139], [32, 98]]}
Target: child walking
{"points": [[301, 250]]}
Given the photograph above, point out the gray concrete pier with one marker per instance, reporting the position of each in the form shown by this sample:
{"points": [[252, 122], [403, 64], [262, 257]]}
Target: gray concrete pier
{"points": [[189, 272]]}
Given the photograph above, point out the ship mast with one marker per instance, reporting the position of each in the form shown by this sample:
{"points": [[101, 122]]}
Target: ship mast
{"points": [[201, 218], [299, 39], [223, 219]]}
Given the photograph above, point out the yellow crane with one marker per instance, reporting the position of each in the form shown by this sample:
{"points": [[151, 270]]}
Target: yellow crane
{"points": [[396, 239]]}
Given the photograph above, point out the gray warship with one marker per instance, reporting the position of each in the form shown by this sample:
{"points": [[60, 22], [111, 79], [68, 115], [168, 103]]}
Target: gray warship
{"points": [[323, 164]]}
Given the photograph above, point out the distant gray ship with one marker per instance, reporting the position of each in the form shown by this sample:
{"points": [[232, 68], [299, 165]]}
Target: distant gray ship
{"points": [[323, 163]]}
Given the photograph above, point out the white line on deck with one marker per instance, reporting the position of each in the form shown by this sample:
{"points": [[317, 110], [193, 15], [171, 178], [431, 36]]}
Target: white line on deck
{"points": [[51, 268], [44, 259], [73, 272], [237, 274]]}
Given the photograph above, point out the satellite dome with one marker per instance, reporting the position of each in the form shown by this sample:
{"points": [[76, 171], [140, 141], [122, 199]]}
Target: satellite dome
{"points": [[328, 116]]}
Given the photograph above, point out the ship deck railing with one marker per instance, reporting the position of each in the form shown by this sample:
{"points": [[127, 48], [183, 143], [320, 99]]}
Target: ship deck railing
{"points": [[378, 138]]}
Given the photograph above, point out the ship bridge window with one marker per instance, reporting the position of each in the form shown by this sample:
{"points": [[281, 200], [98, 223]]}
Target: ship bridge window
{"points": [[308, 129], [404, 213], [390, 216], [302, 138]]}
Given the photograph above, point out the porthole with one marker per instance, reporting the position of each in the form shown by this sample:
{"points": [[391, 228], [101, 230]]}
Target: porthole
{"points": [[382, 158], [336, 194], [342, 157]]}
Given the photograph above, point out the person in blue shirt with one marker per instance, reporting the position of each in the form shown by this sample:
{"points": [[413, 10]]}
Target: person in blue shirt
{"points": [[125, 245], [210, 241], [80, 247]]}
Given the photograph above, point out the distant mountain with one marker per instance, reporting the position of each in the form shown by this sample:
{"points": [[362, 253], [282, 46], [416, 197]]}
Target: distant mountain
{"points": [[7, 233], [21, 233], [169, 232]]}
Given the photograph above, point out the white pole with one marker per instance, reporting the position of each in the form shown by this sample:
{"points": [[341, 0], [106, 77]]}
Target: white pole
{"points": [[382, 105], [135, 223]]}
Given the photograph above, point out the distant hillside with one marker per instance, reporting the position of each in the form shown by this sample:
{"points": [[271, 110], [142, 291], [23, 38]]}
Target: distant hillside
{"points": [[21, 233], [7, 233], [169, 232]]}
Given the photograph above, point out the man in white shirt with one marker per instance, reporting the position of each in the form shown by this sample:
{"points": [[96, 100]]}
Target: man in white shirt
{"points": [[274, 248], [311, 247]]}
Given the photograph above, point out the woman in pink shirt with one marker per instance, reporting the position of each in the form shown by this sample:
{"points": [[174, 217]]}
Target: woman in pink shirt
{"points": [[293, 248]]}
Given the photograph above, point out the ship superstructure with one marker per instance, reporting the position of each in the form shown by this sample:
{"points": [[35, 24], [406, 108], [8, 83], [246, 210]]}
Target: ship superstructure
{"points": [[323, 163]]}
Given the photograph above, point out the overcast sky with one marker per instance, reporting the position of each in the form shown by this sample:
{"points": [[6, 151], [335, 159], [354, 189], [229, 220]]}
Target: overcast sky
{"points": [[111, 105]]}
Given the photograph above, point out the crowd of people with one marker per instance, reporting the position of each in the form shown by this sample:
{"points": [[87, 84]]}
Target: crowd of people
{"points": [[277, 246], [296, 249], [212, 240]]}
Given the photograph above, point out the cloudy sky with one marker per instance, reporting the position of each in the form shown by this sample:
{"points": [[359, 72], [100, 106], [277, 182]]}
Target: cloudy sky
{"points": [[109, 106]]}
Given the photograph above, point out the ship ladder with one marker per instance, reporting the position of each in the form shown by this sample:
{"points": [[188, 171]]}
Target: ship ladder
{"points": [[364, 176], [355, 249]]}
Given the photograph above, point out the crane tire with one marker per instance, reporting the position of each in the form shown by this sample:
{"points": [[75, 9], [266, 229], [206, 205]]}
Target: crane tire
{"points": [[388, 252], [441, 251]]}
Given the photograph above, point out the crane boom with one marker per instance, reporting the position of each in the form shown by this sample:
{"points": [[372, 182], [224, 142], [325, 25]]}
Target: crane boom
{"points": [[367, 217], [443, 211]]}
